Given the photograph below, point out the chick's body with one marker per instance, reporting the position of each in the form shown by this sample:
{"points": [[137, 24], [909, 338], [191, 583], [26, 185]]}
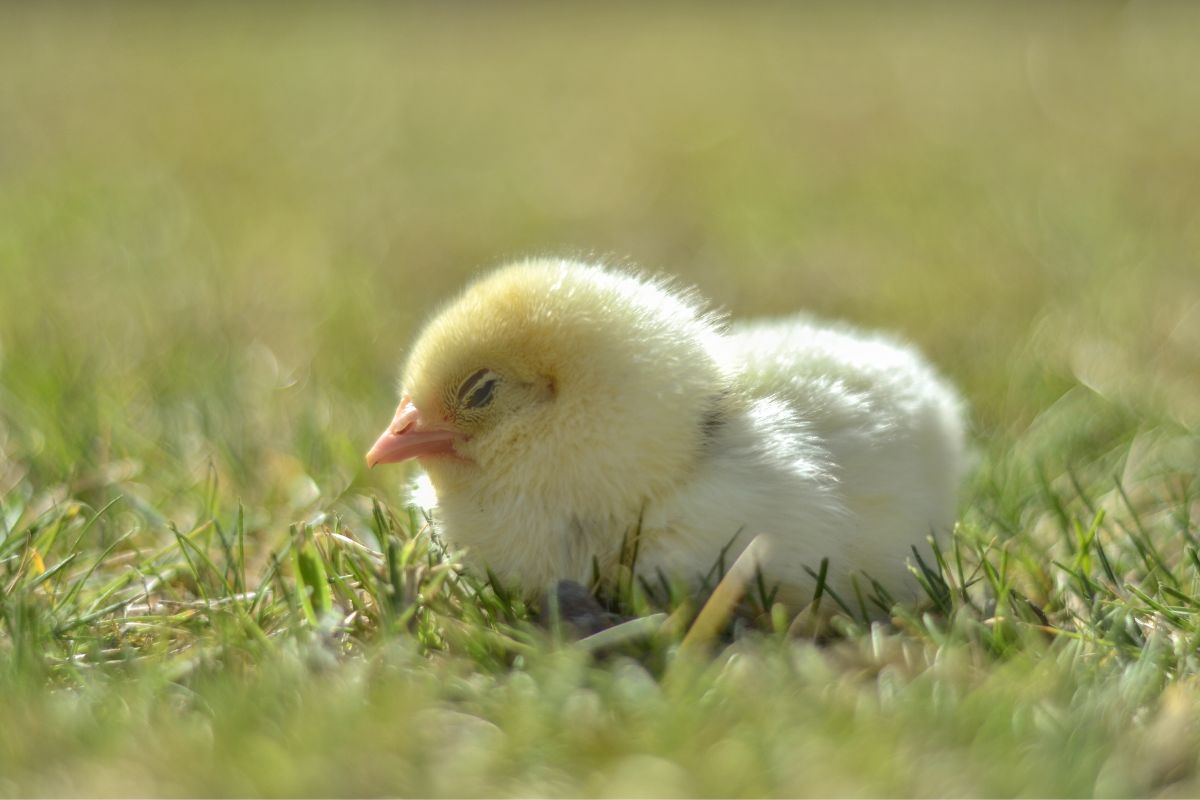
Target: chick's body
{"points": [[842, 446], [615, 405]]}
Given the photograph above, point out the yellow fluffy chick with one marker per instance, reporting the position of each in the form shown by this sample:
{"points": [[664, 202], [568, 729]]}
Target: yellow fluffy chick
{"points": [[555, 404]]}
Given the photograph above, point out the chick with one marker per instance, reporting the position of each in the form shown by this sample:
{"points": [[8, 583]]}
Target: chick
{"points": [[558, 407]]}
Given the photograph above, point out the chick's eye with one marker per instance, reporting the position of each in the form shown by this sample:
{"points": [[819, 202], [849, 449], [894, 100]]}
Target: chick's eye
{"points": [[481, 396], [477, 390]]}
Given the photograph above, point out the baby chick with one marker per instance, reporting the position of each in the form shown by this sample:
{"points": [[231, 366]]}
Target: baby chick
{"points": [[559, 407]]}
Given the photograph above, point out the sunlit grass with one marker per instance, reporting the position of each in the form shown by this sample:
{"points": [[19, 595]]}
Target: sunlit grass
{"points": [[220, 227]]}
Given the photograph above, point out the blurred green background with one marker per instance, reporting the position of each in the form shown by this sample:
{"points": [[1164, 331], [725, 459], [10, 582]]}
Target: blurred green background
{"points": [[222, 224], [238, 216]]}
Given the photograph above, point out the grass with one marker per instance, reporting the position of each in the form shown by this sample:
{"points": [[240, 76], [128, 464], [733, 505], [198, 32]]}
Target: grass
{"points": [[220, 226]]}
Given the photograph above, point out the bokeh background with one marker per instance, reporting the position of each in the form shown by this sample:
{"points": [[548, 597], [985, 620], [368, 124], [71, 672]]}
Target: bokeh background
{"points": [[221, 224], [269, 200]]}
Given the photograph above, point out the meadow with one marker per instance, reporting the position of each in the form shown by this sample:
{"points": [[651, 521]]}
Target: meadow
{"points": [[221, 226]]}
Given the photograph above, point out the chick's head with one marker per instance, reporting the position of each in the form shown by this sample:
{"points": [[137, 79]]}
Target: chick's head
{"points": [[559, 381]]}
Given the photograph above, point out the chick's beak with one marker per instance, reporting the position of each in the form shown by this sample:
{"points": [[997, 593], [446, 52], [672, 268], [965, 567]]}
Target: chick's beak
{"points": [[408, 437]]}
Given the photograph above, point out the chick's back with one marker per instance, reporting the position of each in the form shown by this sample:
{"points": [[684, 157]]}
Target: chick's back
{"points": [[843, 444]]}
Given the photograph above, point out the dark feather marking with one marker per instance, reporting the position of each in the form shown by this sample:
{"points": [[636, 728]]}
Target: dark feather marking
{"points": [[714, 419]]}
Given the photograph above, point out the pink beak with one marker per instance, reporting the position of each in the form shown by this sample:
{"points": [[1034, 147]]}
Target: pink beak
{"points": [[407, 438]]}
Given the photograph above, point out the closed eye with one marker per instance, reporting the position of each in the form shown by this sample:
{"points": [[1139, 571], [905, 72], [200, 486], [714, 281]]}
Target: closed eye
{"points": [[477, 390], [481, 396]]}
